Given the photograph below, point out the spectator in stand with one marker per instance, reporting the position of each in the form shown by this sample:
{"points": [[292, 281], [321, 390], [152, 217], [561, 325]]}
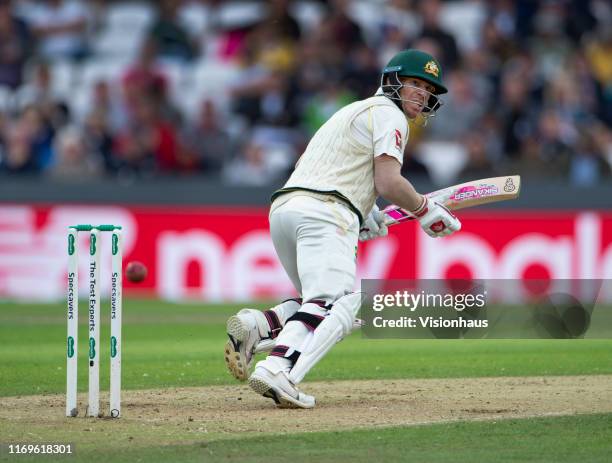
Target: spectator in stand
{"points": [[361, 72], [549, 46], [148, 144], [581, 18], [28, 141], [280, 18], [602, 137], [15, 46], [61, 28], [399, 25], [503, 18], [483, 68], [273, 49], [500, 47], [40, 94], [393, 39], [572, 92], [144, 80], [171, 39], [17, 156], [98, 139], [588, 165], [74, 162], [262, 94], [534, 81], [207, 144], [96, 17], [311, 73], [479, 163], [599, 57], [107, 104], [251, 167], [40, 133], [341, 32], [134, 152], [253, 81], [432, 29], [226, 41], [463, 108], [39, 88], [331, 97], [548, 151], [515, 110]]}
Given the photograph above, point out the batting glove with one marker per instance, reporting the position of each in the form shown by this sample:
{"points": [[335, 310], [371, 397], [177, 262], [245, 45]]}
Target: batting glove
{"points": [[435, 219], [373, 226]]}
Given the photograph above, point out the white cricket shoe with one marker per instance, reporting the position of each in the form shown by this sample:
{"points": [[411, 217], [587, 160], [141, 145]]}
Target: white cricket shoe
{"points": [[243, 334], [277, 387]]}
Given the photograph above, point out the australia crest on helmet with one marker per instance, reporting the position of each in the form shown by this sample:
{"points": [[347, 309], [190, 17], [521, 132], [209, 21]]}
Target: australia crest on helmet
{"points": [[431, 67]]}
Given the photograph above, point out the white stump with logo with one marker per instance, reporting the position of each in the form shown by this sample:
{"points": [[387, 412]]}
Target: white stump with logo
{"points": [[115, 325], [94, 323], [73, 324]]}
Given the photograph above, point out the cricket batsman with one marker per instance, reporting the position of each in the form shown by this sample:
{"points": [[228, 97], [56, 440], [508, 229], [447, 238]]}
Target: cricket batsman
{"points": [[329, 203]]}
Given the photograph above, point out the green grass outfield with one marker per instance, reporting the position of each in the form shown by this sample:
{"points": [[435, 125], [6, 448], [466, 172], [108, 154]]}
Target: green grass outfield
{"points": [[169, 345], [584, 438]]}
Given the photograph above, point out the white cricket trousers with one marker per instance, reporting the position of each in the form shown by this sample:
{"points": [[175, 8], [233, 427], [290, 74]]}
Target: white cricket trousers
{"points": [[316, 242]]}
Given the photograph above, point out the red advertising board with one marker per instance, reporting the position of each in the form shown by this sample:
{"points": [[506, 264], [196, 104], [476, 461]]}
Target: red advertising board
{"points": [[223, 253]]}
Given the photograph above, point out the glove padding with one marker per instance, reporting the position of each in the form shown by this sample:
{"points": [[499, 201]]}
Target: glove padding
{"points": [[373, 226], [435, 219]]}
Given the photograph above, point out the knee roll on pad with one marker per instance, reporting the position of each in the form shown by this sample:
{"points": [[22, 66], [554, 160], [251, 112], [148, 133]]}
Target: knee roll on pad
{"points": [[278, 316], [310, 314], [309, 320], [286, 309], [297, 327]]}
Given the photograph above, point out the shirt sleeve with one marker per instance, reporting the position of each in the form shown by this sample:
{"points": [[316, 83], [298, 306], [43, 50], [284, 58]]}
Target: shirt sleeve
{"points": [[389, 132]]}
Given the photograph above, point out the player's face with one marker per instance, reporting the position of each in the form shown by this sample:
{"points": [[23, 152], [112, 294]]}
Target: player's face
{"points": [[415, 95]]}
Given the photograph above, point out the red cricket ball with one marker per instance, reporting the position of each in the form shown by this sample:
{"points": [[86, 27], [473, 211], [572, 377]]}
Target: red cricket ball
{"points": [[135, 271]]}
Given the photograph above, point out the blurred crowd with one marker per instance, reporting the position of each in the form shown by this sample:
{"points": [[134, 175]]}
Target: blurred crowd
{"points": [[235, 89]]}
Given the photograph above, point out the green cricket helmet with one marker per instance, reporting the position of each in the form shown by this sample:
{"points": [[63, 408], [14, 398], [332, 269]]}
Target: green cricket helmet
{"points": [[413, 63]]}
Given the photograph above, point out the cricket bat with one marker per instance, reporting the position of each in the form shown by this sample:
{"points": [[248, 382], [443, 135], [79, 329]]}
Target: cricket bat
{"points": [[468, 194]]}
